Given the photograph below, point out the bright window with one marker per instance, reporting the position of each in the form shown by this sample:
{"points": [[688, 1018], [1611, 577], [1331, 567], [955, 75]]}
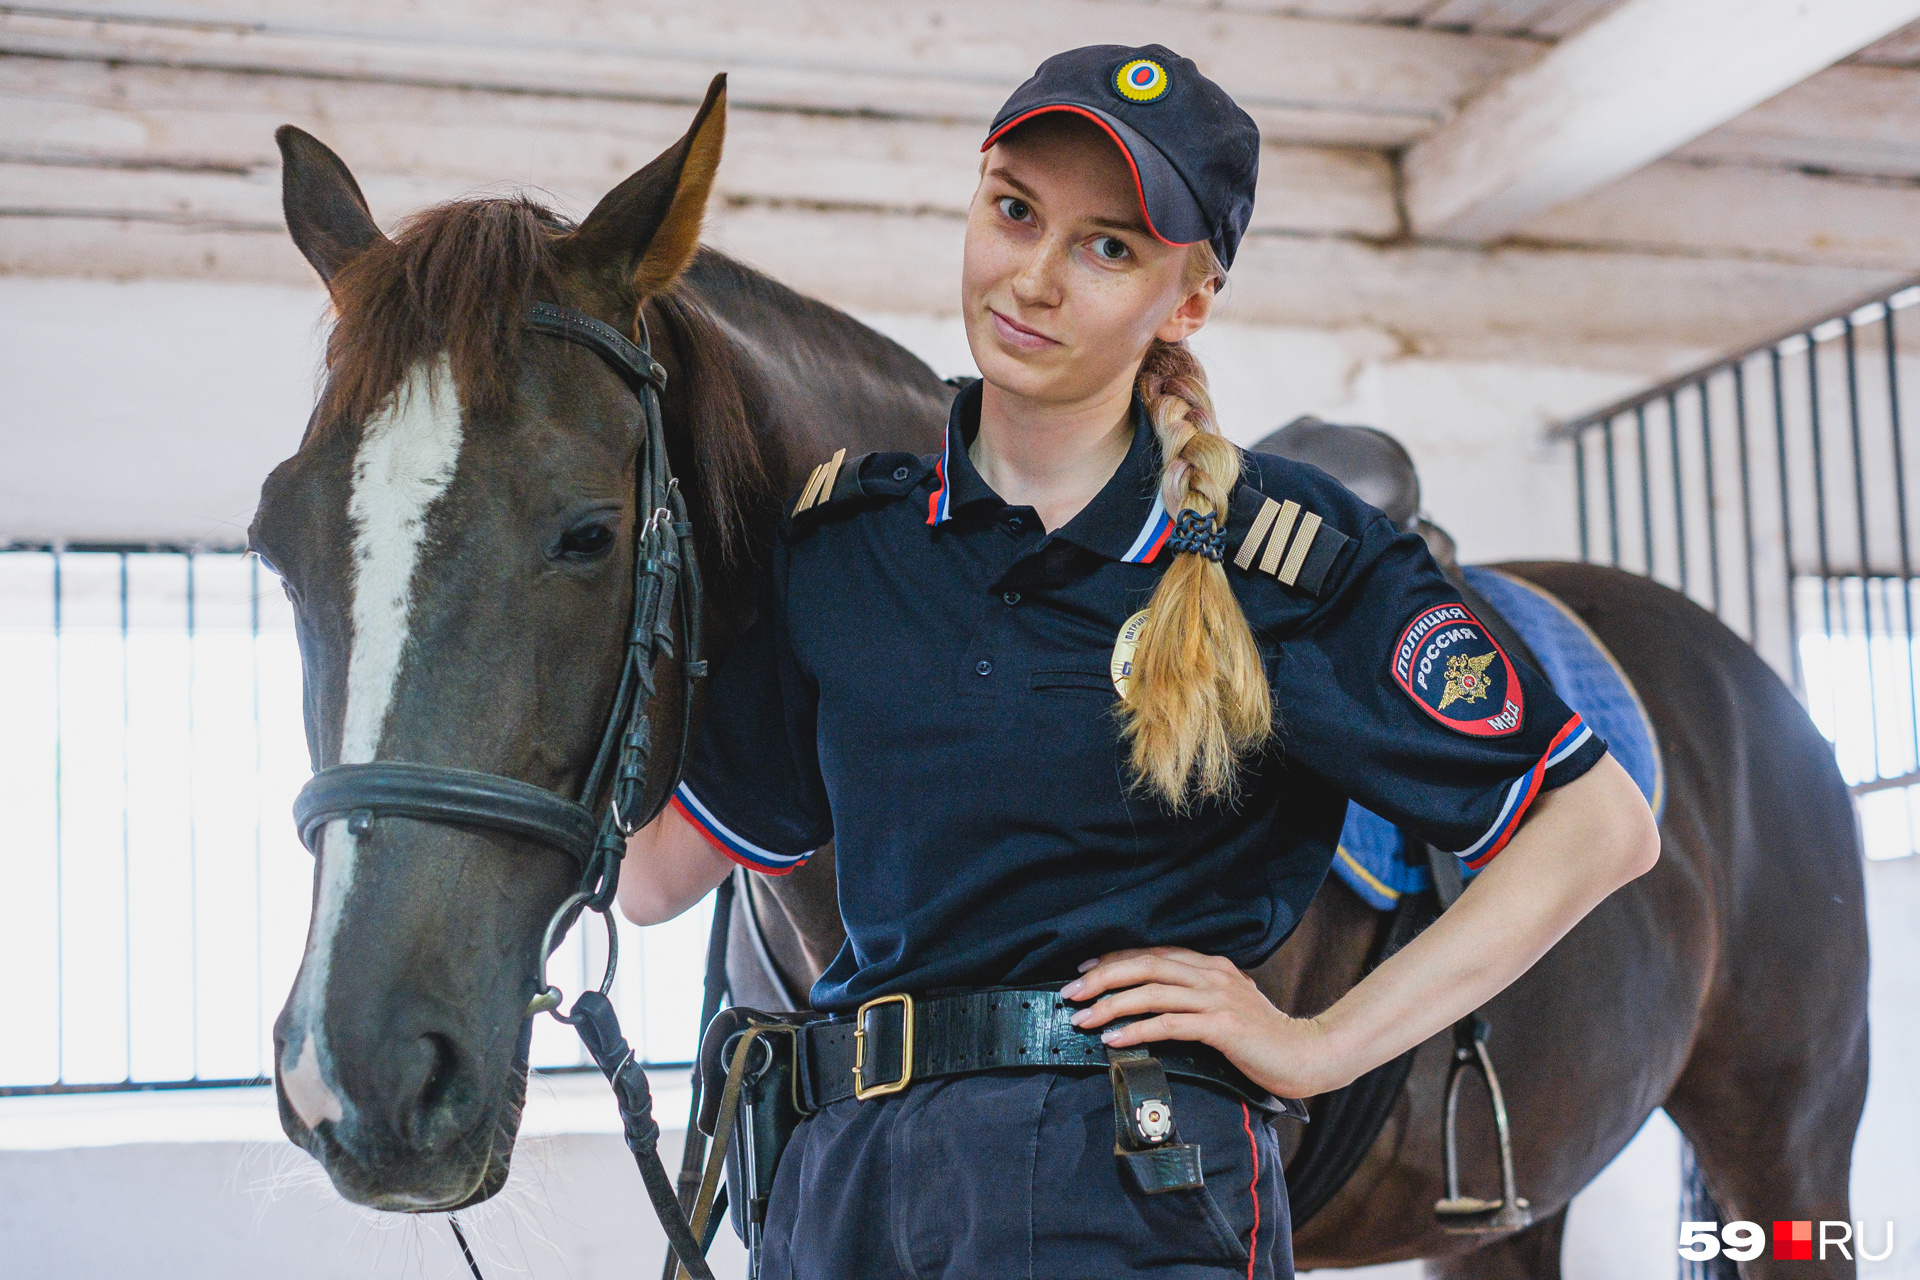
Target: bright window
{"points": [[155, 894], [1862, 674]]}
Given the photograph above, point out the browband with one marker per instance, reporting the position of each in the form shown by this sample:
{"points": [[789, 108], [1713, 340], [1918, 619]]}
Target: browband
{"points": [[629, 361]]}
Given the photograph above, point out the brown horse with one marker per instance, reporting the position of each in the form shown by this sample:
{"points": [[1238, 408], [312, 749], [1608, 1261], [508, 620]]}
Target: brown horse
{"points": [[455, 534]]}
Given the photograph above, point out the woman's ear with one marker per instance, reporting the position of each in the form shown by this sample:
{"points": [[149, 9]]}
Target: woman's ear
{"points": [[1191, 315]]}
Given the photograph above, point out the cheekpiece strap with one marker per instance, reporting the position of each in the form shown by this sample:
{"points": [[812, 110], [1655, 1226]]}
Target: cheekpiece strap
{"points": [[1198, 534]]}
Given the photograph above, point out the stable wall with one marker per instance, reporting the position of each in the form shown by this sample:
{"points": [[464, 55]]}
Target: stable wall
{"points": [[151, 410]]}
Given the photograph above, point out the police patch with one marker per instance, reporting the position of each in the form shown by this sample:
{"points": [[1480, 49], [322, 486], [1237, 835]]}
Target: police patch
{"points": [[1449, 664]]}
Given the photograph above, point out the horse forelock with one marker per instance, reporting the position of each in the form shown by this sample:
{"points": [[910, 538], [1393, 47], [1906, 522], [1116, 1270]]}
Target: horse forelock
{"points": [[455, 279], [454, 282]]}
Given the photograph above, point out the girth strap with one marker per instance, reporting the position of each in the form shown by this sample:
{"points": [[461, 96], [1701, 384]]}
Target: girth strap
{"points": [[435, 793]]}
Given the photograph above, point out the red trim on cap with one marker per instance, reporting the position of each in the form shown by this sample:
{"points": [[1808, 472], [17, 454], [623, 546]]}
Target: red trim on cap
{"points": [[1138, 187]]}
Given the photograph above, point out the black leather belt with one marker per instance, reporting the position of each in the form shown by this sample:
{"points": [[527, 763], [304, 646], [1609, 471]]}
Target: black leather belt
{"points": [[989, 1030]]}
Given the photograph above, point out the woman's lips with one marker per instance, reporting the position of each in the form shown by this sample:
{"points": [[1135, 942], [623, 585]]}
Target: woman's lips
{"points": [[1018, 335]]}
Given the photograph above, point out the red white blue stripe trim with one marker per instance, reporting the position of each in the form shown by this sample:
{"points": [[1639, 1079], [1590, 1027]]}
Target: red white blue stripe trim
{"points": [[730, 842], [1572, 736], [940, 501], [1153, 534]]}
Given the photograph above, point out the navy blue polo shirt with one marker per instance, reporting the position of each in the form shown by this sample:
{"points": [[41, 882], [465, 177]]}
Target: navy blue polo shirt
{"points": [[930, 683]]}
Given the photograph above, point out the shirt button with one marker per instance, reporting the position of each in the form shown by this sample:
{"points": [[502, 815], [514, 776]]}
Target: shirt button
{"points": [[983, 667], [899, 473], [1012, 597], [1015, 524]]}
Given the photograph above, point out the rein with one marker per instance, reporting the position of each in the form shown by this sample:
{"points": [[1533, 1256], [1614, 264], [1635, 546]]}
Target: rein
{"points": [[665, 574]]}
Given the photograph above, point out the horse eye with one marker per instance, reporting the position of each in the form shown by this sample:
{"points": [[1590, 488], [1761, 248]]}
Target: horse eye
{"points": [[587, 541]]}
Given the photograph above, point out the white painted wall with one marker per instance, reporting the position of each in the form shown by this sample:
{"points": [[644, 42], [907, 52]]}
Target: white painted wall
{"points": [[152, 410]]}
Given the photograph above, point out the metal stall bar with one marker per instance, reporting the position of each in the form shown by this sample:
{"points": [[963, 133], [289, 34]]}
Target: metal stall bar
{"points": [[1713, 506], [1890, 342], [1789, 481]]}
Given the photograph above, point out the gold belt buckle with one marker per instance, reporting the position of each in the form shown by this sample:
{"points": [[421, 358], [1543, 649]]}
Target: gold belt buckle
{"points": [[861, 1089]]}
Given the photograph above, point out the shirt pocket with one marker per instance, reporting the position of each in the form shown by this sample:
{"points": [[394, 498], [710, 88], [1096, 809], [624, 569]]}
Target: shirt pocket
{"points": [[1080, 682]]}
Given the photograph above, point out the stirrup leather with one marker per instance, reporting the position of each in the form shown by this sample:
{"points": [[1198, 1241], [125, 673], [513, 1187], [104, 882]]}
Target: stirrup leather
{"points": [[1470, 1214]]}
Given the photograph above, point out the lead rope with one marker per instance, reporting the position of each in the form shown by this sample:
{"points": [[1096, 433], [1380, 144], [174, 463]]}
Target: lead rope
{"points": [[713, 990], [464, 1251]]}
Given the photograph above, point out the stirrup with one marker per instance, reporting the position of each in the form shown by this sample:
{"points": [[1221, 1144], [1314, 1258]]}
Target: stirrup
{"points": [[1460, 1214]]}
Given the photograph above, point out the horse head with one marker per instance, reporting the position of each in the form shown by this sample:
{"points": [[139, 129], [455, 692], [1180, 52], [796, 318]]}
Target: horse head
{"points": [[457, 534]]}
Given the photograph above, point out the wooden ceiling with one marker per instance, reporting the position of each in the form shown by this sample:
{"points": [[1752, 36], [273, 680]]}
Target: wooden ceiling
{"points": [[137, 141]]}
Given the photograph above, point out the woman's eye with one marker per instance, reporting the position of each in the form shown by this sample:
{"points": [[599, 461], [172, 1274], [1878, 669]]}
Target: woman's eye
{"points": [[1016, 208], [1110, 249], [587, 540]]}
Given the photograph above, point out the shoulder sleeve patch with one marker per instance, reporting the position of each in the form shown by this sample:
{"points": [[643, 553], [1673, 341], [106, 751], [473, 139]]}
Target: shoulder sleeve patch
{"points": [[1456, 672], [1285, 541]]}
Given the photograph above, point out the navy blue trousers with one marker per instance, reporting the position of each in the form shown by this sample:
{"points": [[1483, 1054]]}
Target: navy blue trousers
{"points": [[1012, 1176]]}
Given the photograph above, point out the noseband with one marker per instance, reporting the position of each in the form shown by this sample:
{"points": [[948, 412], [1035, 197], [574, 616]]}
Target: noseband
{"points": [[665, 572]]}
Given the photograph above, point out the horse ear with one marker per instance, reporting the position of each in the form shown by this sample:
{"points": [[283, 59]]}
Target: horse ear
{"points": [[326, 214], [644, 231]]}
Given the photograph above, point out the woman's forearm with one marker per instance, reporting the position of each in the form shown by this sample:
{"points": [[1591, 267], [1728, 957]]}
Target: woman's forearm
{"points": [[1580, 843]]}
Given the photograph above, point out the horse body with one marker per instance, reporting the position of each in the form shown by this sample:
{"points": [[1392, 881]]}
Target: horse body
{"points": [[459, 573]]}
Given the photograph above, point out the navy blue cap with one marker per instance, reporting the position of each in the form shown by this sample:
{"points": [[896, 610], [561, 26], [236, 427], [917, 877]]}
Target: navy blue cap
{"points": [[1194, 153]]}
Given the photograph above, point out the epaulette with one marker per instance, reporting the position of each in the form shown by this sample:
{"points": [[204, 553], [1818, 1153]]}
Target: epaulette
{"points": [[1283, 540], [868, 475]]}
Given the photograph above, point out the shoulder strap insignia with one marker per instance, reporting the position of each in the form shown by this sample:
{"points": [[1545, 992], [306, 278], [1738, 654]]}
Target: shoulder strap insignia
{"points": [[820, 483], [1291, 544]]}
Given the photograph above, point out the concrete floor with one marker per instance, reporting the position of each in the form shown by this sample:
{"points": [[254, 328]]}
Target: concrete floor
{"points": [[200, 1186]]}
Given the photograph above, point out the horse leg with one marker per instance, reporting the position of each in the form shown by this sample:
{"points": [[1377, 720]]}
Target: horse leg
{"points": [[1532, 1254], [1774, 1138], [1773, 1089]]}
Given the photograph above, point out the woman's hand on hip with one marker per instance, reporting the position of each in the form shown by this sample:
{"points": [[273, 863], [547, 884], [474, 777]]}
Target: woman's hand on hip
{"points": [[1179, 994]]}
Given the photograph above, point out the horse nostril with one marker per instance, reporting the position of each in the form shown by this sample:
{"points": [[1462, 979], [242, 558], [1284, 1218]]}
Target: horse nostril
{"points": [[440, 1063]]}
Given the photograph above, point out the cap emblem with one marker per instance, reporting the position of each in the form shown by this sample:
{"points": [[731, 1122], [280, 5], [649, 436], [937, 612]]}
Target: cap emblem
{"points": [[1141, 80]]}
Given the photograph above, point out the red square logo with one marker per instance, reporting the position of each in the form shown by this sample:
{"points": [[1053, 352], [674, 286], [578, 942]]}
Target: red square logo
{"points": [[1793, 1241]]}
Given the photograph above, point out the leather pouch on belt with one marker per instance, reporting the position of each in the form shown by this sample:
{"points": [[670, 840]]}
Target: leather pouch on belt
{"points": [[769, 1105], [1146, 1142]]}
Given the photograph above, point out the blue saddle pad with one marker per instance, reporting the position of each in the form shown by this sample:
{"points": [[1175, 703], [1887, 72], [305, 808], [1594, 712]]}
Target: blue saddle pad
{"points": [[1586, 677]]}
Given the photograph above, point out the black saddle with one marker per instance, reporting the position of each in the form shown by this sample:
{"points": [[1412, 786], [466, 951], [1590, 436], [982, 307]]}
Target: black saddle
{"points": [[1366, 460]]}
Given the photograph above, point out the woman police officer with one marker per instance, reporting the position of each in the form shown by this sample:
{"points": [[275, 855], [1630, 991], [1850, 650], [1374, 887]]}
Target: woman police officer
{"points": [[1080, 701]]}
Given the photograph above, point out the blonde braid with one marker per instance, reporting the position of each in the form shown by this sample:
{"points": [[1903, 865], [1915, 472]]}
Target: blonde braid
{"points": [[1197, 700]]}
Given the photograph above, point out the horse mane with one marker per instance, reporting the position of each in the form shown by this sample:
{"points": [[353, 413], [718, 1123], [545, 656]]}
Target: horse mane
{"points": [[458, 278]]}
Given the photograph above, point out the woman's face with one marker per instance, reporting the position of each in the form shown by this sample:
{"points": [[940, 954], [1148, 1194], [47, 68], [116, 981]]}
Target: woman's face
{"points": [[1063, 285]]}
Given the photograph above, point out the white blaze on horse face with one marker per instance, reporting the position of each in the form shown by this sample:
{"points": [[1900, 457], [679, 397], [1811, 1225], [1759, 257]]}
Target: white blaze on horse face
{"points": [[306, 1091], [405, 461]]}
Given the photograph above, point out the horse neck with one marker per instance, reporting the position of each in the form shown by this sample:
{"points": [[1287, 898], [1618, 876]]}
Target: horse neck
{"points": [[813, 378]]}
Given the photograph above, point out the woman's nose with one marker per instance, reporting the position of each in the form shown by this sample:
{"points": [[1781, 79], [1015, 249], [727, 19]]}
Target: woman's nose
{"points": [[1037, 283]]}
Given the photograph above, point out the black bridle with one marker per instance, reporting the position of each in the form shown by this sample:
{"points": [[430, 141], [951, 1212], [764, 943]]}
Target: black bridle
{"points": [[665, 574]]}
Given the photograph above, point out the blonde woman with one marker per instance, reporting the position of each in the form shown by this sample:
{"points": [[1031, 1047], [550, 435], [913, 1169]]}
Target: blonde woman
{"points": [[1081, 701]]}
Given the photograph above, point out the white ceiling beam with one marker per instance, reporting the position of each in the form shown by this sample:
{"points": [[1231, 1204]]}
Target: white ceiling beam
{"points": [[1639, 82], [1302, 79]]}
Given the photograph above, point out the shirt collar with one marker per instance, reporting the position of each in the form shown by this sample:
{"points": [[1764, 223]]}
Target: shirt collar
{"points": [[1127, 520]]}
